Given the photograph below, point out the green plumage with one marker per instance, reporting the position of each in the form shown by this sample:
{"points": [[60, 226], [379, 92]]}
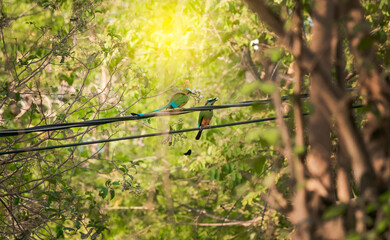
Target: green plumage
{"points": [[205, 116], [178, 100]]}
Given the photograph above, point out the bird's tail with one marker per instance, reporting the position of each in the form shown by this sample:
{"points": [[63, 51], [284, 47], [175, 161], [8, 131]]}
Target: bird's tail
{"points": [[160, 108], [199, 134], [140, 114]]}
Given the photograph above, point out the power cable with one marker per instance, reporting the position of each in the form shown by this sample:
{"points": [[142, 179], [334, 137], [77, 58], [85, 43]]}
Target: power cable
{"points": [[95, 122], [135, 137], [144, 136]]}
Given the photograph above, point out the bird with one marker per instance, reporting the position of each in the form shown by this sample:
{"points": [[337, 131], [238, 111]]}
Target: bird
{"points": [[205, 116], [188, 153], [177, 100]]}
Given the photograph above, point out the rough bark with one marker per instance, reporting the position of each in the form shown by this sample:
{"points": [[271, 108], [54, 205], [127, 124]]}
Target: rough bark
{"points": [[365, 157], [376, 87], [338, 104], [318, 159]]}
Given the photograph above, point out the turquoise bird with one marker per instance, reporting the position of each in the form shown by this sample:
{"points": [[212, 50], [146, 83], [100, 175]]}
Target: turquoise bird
{"points": [[178, 100], [205, 116]]}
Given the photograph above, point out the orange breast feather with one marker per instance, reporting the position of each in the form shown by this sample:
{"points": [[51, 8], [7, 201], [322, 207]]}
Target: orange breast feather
{"points": [[205, 122]]}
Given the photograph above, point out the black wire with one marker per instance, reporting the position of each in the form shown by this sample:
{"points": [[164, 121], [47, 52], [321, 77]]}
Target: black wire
{"points": [[61, 126], [96, 122], [135, 137], [145, 135]]}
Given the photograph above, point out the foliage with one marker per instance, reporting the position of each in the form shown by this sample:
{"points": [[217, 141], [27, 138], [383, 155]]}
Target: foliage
{"points": [[76, 60]]}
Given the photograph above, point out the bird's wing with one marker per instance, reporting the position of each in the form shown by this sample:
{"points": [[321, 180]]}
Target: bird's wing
{"points": [[178, 100], [200, 119]]}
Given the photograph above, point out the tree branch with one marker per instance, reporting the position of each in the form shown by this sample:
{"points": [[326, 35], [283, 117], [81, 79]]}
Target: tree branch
{"points": [[334, 98]]}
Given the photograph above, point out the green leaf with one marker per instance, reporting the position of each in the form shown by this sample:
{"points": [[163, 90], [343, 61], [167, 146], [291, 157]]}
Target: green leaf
{"points": [[366, 43], [212, 174], [123, 168], [274, 54], [386, 209], [18, 97], [250, 198], [69, 229], [250, 87], [59, 231], [253, 135], [233, 176], [382, 225], [268, 87], [54, 89], [91, 58], [60, 116], [334, 211], [258, 165], [353, 236], [77, 224], [31, 57], [298, 150], [371, 207], [384, 197], [130, 176], [84, 236], [226, 169], [112, 193], [112, 34], [53, 195], [218, 174], [51, 210], [108, 182], [16, 201], [70, 80], [23, 62], [103, 192], [271, 135], [383, 3]]}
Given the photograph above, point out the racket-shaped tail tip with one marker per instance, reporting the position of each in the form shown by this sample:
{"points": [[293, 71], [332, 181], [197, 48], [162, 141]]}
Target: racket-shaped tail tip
{"points": [[198, 135]]}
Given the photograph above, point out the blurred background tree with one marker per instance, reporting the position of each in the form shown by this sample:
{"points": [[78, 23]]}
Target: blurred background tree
{"points": [[323, 176]]}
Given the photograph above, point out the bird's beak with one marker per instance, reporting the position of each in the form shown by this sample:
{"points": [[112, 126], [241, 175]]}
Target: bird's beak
{"points": [[213, 100], [190, 91]]}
